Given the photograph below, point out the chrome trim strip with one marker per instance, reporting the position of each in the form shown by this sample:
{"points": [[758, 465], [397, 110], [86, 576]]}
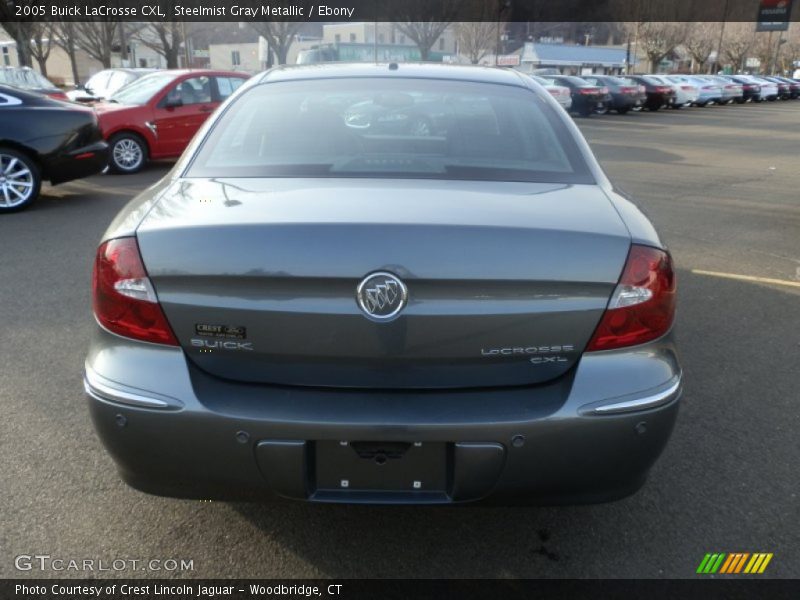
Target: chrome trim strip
{"points": [[636, 404], [105, 393]]}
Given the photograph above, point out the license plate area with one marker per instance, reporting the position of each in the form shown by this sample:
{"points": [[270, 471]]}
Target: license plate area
{"points": [[369, 466]]}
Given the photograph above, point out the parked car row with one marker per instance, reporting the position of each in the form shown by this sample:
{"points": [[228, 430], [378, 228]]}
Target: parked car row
{"points": [[154, 116], [122, 118], [598, 94], [42, 139]]}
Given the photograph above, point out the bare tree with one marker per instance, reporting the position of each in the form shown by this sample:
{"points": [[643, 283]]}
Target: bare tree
{"points": [[64, 35], [700, 42], [21, 33], [659, 39], [280, 36], [739, 41], [97, 38], [42, 43], [475, 39], [763, 49], [790, 51], [424, 34], [431, 18], [164, 38]]}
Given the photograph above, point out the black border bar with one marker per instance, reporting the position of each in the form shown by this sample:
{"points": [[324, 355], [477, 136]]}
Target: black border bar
{"points": [[743, 587], [389, 10]]}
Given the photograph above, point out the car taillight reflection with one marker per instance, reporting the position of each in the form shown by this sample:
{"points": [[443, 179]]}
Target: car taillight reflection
{"points": [[124, 300], [642, 306]]}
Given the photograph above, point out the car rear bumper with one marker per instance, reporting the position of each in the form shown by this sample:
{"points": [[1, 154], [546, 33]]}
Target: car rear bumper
{"points": [[78, 163], [590, 436]]}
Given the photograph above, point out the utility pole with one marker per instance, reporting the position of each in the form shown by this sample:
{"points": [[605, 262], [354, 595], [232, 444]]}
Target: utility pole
{"points": [[123, 45], [628, 56], [781, 41], [185, 45], [715, 66], [502, 6]]}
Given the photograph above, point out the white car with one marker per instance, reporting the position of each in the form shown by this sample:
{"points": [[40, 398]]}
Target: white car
{"points": [[562, 94], [686, 93], [102, 85], [769, 89]]}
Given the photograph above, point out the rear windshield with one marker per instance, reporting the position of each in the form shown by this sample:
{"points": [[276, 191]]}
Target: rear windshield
{"points": [[369, 127]]}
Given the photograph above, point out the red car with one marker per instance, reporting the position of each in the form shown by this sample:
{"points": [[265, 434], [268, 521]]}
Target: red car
{"points": [[157, 115]]}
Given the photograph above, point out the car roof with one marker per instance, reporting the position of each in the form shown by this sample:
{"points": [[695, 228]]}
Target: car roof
{"points": [[210, 72], [395, 70]]}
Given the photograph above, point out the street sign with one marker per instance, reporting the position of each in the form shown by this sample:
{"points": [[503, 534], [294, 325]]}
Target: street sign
{"points": [[774, 15], [508, 60]]}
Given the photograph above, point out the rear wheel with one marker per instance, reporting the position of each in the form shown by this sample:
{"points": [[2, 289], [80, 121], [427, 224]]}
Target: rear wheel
{"points": [[601, 110], [20, 180], [653, 107], [622, 111], [128, 153]]}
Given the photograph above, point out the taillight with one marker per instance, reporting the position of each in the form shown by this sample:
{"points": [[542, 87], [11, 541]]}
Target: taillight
{"points": [[642, 306], [124, 300], [687, 88], [589, 91]]}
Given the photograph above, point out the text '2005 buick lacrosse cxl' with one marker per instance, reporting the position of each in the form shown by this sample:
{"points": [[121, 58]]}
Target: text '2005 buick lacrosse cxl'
{"points": [[388, 284]]}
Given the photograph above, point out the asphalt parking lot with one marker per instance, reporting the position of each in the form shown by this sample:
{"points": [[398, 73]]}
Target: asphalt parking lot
{"points": [[721, 184]]}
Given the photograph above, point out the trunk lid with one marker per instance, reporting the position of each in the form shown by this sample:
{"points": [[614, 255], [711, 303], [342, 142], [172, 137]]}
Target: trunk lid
{"points": [[506, 281]]}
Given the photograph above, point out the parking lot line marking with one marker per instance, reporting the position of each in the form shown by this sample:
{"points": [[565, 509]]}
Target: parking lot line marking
{"points": [[751, 278]]}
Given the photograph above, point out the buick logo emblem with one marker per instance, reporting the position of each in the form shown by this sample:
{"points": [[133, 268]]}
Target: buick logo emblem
{"points": [[381, 296]]}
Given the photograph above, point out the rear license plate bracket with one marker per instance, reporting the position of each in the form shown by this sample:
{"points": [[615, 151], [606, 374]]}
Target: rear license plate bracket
{"points": [[354, 466]]}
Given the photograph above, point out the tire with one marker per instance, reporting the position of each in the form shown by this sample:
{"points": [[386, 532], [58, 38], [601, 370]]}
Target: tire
{"points": [[623, 111], [740, 101], [653, 107], [601, 111], [585, 112], [127, 153], [20, 180]]}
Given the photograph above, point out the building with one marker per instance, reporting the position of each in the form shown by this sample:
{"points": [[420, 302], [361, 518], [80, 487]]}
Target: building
{"points": [[59, 68], [251, 57], [574, 59], [387, 33]]}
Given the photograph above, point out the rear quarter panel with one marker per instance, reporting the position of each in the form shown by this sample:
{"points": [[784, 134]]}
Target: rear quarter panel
{"points": [[45, 133]]}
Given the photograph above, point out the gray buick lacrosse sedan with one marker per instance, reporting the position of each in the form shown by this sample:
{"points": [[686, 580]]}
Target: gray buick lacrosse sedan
{"points": [[385, 284]]}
